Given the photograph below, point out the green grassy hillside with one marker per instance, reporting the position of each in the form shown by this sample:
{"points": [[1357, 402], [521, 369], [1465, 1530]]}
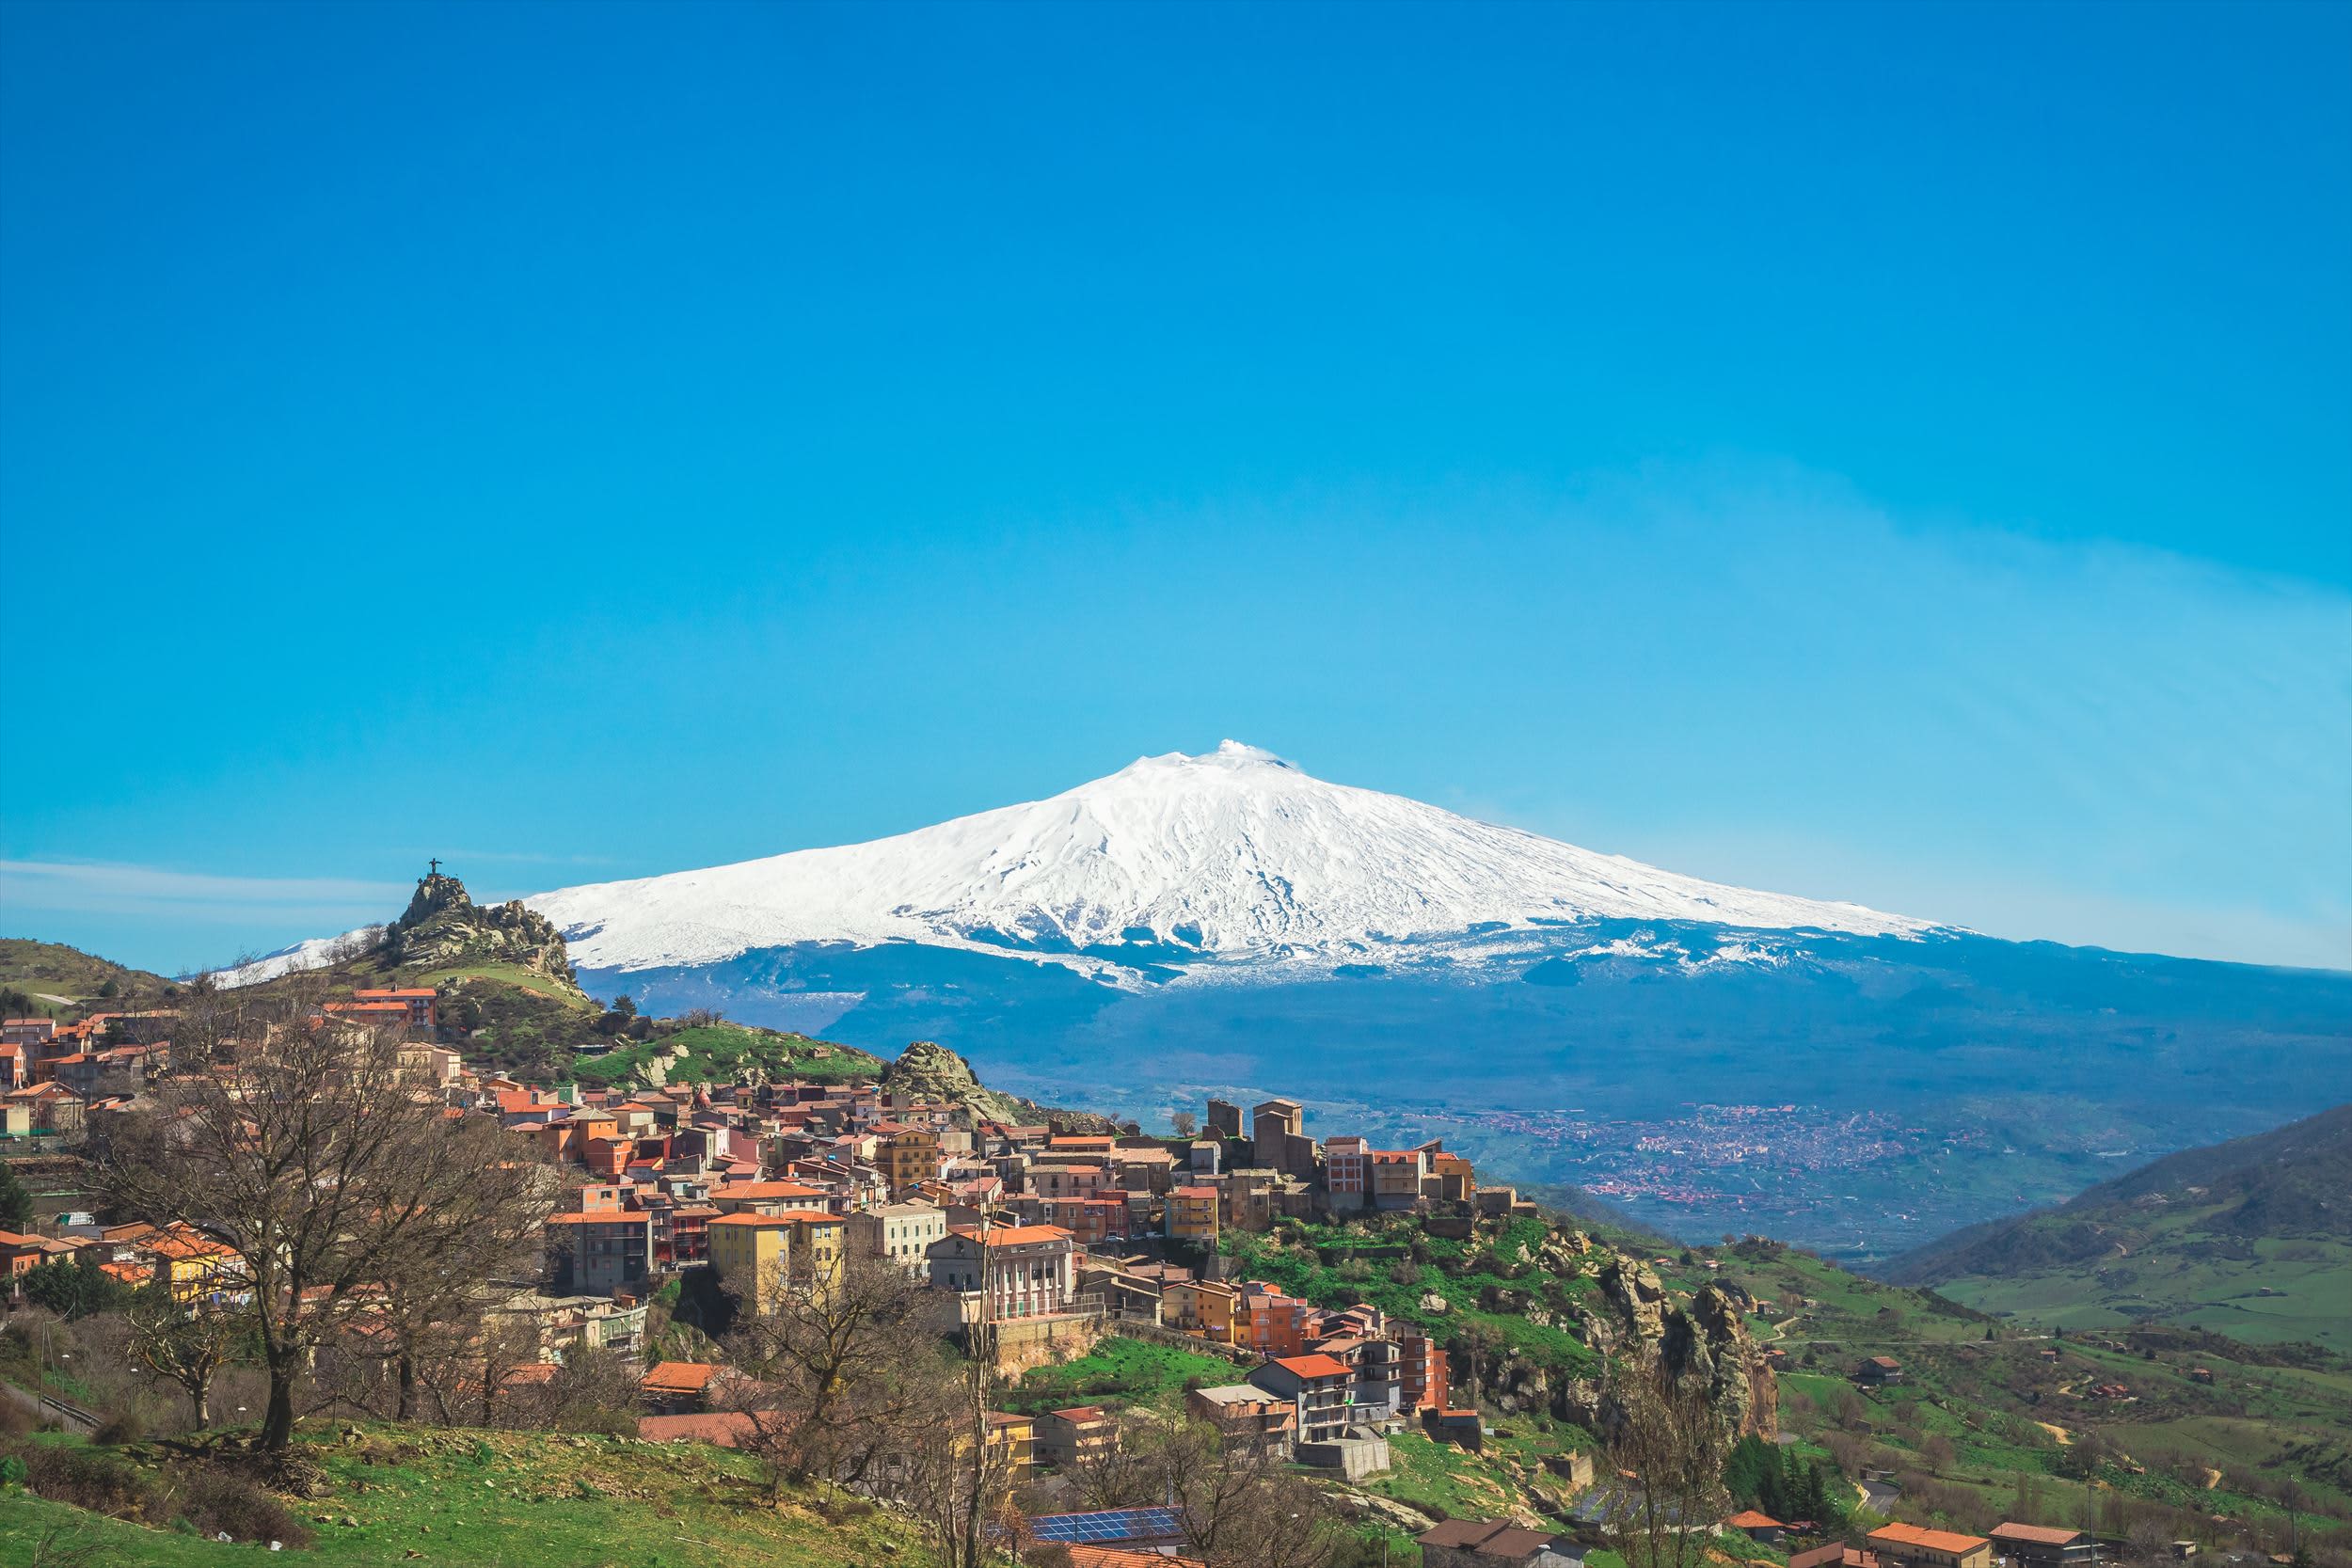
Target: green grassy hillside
{"points": [[720, 1052], [2250, 1238], [45, 971], [399, 1495]]}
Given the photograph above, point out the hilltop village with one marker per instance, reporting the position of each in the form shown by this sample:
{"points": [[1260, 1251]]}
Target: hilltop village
{"points": [[1381, 1352]]}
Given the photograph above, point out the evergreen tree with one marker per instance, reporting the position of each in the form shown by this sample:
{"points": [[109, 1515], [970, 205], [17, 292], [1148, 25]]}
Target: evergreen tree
{"points": [[16, 1202], [81, 1289]]}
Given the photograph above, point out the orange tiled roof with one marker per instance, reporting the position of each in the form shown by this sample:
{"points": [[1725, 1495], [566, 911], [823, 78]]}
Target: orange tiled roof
{"points": [[2039, 1535], [1014, 1235], [761, 1191], [1932, 1540], [1083, 1556], [722, 1429], [1313, 1365], [677, 1377]]}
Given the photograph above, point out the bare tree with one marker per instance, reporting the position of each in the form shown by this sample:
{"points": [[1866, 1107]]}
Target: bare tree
{"points": [[185, 1342], [430, 1295], [590, 1390], [836, 1367], [954, 1477], [298, 1145], [1184, 1124], [1665, 1431], [499, 1364], [1127, 1472], [1241, 1505]]}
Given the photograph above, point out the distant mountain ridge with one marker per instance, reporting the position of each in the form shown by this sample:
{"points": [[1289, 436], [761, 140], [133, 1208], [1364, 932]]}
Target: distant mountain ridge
{"points": [[2200, 1235]]}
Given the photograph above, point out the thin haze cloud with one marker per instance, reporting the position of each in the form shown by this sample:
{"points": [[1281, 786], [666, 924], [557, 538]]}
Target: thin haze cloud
{"points": [[2154, 752]]}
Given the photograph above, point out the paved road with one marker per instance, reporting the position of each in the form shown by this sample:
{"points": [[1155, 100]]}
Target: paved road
{"points": [[72, 1417]]}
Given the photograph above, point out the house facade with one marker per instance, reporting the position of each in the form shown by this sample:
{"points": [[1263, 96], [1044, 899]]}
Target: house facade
{"points": [[1009, 1271], [1318, 1388], [600, 1254]]}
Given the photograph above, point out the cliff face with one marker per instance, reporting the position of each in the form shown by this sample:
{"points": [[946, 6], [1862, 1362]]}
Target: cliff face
{"points": [[1705, 1342], [444, 926], [1629, 1317]]}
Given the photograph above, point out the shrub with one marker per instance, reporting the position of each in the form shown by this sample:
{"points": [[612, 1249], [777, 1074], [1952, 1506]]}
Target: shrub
{"points": [[93, 1478], [121, 1426], [216, 1500]]}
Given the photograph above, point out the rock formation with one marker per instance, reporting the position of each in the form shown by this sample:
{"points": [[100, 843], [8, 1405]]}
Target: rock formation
{"points": [[930, 1071], [1705, 1342], [443, 927]]}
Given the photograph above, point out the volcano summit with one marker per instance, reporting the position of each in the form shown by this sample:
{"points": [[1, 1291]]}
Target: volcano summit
{"points": [[1230, 857]]}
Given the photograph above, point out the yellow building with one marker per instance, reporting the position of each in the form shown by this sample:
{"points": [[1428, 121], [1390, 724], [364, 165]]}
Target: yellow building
{"points": [[1203, 1306], [761, 1256], [1192, 1214], [1017, 1436], [189, 1264], [909, 1156]]}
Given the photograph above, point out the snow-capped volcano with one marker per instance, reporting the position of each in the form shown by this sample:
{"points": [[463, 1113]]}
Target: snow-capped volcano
{"points": [[1233, 854]]}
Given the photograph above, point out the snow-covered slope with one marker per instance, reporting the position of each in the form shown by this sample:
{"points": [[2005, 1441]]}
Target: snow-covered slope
{"points": [[311, 952], [1230, 855]]}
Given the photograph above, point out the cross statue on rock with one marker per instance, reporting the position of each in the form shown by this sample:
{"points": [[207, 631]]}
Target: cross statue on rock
{"points": [[435, 865]]}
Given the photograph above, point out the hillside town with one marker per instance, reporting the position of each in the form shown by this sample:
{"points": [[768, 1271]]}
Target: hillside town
{"points": [[666, 1228]]}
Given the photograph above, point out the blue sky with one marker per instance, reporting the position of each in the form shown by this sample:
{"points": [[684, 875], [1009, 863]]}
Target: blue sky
{"points": [[1896, 454]]}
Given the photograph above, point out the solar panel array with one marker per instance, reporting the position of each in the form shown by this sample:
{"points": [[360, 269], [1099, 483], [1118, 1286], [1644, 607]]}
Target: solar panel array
{"points": [[1116, 1524]]}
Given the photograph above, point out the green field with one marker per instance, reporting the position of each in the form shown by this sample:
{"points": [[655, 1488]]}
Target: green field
{"points": [[2266, 1292], [37, 967], [2001, 1399], [2249, 1238], [508, 975]]}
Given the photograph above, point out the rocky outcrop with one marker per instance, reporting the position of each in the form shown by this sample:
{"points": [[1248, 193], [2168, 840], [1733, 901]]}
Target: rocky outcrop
{"points": [[443, 927], [930, 1071]]}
